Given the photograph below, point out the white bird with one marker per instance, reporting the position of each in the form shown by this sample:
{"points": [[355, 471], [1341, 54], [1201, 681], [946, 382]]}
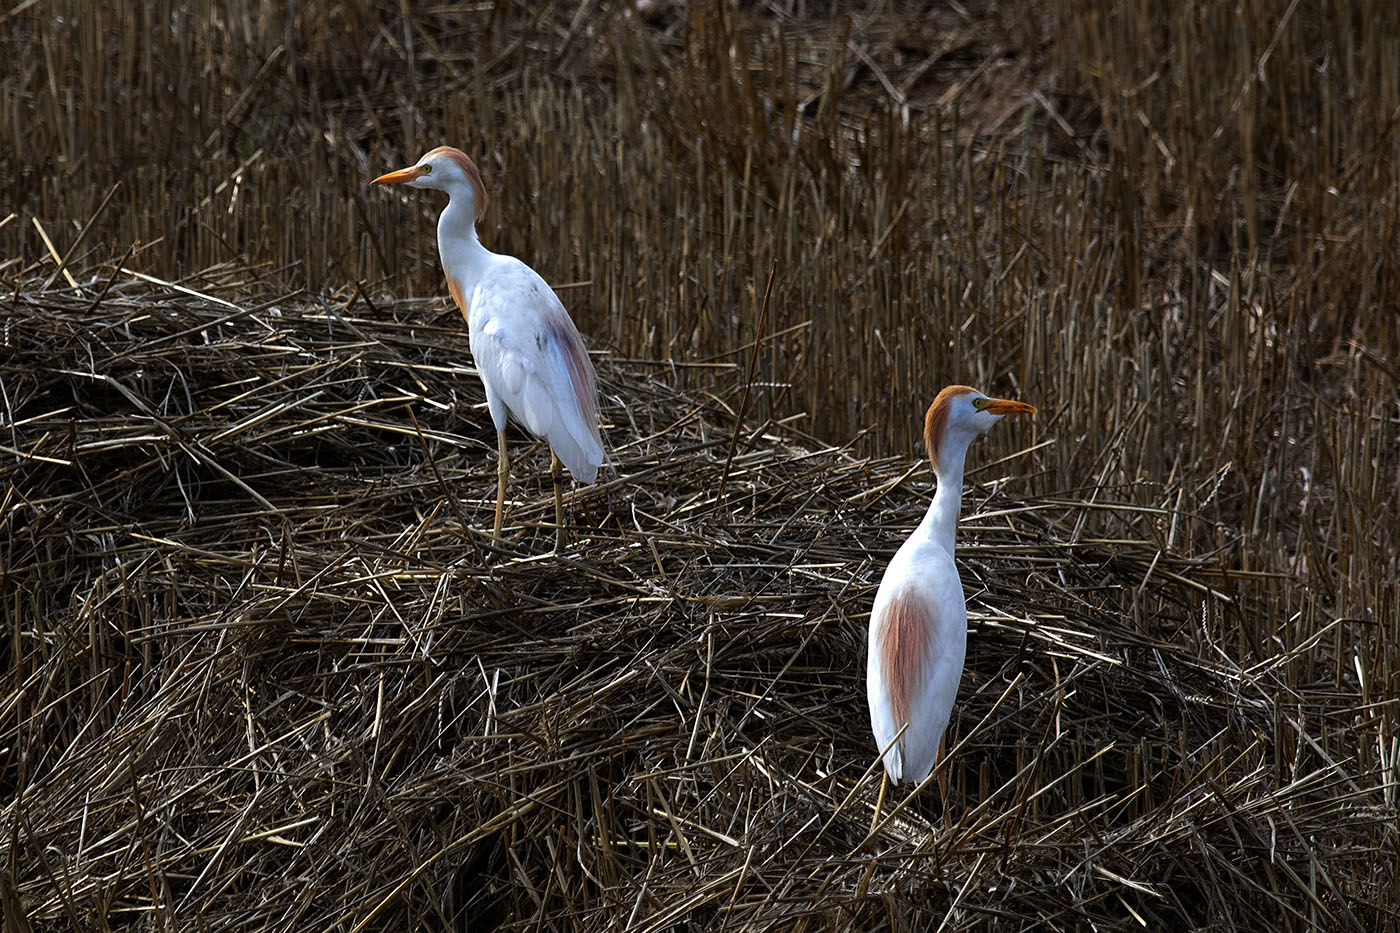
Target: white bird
{"points": [[918, 628], [530, 356]]}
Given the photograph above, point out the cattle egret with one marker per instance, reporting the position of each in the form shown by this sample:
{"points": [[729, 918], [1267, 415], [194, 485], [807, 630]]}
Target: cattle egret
{"points": [[918, 628], [529, 353]]}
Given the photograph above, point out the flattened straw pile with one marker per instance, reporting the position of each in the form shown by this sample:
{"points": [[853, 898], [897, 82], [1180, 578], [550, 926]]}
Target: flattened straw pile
{"points": [[267, 672]]}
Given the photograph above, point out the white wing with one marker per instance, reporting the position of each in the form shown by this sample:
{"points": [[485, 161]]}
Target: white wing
{"points": [[916, 646], [532, 360]]}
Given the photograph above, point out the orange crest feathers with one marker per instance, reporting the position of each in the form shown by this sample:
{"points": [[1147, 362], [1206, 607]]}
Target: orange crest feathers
{"points": [[473, 174], [936, 421]]}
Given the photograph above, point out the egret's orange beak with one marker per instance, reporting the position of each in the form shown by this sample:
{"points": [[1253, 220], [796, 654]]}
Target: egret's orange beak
{"points": [[1006, 406], [401, 176]]}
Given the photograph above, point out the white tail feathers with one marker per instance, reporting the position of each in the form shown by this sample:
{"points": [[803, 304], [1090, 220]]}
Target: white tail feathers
{"points": [[582, 456]]}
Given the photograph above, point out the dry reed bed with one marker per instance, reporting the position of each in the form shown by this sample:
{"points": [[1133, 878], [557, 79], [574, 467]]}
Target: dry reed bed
{"points": [[1172, 228], [268, 673]]}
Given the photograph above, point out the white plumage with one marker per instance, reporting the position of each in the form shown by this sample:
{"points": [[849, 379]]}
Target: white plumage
{"points": [[533, 364], [922, 573], [528, 352], [918, 626]]}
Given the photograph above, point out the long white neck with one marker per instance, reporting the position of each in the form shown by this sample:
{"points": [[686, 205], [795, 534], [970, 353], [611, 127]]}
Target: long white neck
{"points": [[941, 521], [463, 256]]}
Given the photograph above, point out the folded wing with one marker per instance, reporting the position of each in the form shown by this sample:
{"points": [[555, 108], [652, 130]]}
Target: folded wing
{"points": [[531, 356], [905, 652]]}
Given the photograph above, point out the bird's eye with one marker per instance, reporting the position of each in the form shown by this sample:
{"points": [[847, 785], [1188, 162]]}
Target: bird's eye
{"points": [[427, 170], [979, 403]]}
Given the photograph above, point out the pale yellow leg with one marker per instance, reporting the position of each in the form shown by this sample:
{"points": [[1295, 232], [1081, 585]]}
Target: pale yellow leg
{"points": [[502, 475], [557, 470], [874, 822], [880, 800]]}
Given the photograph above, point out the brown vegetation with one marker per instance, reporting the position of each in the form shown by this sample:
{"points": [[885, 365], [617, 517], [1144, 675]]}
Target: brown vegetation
{"points": [[265, 672]]}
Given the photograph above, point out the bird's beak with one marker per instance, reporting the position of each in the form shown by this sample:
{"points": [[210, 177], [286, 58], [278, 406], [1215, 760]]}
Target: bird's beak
{"points": [[401, 176], [1006, 406]]}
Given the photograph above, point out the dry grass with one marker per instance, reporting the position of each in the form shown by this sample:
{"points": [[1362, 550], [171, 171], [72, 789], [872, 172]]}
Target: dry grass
{"points": [[267, 673]]}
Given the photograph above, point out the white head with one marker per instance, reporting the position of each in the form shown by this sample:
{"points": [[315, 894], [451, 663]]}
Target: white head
{"points": [[445, 169], [957, 416]]}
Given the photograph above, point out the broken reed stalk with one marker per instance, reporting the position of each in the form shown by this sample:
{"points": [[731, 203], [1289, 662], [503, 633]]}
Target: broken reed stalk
{"points": [[748, 384]]}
